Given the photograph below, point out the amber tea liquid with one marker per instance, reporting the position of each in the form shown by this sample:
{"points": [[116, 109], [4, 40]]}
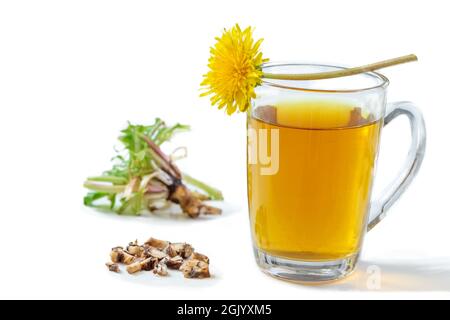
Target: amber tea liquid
{"points": [[315, 206]]}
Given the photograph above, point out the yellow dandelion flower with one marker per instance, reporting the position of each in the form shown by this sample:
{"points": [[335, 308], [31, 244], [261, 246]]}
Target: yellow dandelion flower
{"points": [[234, 70]]}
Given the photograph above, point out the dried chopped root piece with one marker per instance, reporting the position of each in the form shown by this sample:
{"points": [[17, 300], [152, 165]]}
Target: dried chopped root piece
{"points": [[144, 265], [156, 243], [174, 262], [180, 249], [118, 255], [160, 269], [135, 249], [113, 267], [134, 267], [199, 256], [155, 253], [189, 203], [194, 268]]}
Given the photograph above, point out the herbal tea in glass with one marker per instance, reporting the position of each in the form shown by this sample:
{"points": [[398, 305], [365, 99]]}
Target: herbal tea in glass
{"points": [[315, 205], [312, 151]]}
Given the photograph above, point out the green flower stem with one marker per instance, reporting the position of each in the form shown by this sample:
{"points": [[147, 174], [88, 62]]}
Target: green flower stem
{"points": [[343, 72], [103, 187], [212, 192], [111, 179]]}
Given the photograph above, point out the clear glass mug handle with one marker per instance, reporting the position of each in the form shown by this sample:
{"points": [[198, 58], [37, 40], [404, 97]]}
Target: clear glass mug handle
{"points": [[393, 191]]}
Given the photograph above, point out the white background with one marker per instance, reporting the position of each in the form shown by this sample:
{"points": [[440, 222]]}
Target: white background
{"points": [[73, 72]]}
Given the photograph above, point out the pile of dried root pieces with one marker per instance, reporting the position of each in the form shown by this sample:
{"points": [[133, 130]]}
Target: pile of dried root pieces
{"points": [[158, 256]]}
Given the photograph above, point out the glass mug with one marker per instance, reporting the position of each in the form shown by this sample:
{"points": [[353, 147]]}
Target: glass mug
{"points": [[312, 150]]}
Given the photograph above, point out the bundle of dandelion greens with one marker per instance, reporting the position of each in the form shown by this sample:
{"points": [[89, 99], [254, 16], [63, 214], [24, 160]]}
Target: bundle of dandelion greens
{"points": [[144, 177], [235, 69]]}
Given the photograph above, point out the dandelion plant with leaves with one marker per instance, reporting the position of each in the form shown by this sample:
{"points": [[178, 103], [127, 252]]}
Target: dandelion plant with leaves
{"points": [[143, 177]]}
